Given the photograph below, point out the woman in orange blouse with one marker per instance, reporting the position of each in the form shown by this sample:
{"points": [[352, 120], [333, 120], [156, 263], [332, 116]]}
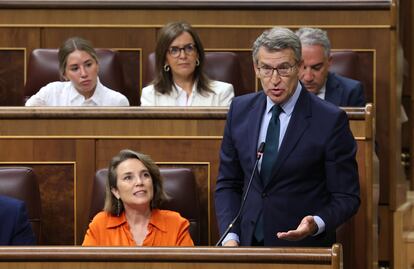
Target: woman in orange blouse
{"points": [[131, 216]]}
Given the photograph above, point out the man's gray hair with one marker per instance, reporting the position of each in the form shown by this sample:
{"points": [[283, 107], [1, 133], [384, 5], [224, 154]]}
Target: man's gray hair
{"points": [[276, 39], [314, 36]]}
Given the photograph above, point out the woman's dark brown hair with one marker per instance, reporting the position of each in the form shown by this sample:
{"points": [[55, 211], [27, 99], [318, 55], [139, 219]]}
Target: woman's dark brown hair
{"points": [[163, 82]]}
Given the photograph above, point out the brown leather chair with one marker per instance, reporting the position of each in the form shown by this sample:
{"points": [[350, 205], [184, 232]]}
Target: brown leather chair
{"points": [[357, 66], [345, 63], [44, 68], [180, 186], [218, 65], [21, 183]]}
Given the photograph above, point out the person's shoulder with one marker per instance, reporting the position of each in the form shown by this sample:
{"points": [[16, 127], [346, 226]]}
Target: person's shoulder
{"points": [[9, 201], [113, 97], [345, 81], [110, 91], [149, 89], [170, 215], [249, 97], [102, 216], [56, 86], [10, 205], [323, 106], [220, 85]]}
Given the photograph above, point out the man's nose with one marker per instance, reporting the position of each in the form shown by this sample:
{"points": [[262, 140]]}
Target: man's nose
{"points": [[275, 78], [307, 74]]}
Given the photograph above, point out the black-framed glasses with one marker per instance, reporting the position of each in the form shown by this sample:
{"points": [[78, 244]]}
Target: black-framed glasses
{"points": [[188, 49], [282, 70]]}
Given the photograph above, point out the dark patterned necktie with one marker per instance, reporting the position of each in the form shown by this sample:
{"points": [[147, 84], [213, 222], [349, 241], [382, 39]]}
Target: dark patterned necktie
{"points": [[269, 161], [272, 145]]}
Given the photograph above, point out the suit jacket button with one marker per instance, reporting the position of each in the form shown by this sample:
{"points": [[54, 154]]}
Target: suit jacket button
{"points": [[264, 195]]}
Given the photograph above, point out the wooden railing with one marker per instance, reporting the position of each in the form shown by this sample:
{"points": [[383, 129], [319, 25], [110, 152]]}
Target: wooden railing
{"points": [[170, 258]]}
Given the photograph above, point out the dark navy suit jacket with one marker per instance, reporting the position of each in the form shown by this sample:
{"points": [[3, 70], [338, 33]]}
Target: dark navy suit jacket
{"points": [[15, 228], [316, 171], [342, 91]]}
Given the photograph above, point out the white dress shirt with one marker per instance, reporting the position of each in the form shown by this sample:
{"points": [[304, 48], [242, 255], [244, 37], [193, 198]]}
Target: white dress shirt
{"points": [[63, 93]]}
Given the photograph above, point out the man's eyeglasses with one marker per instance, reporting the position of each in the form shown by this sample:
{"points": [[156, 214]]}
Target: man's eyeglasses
{"points": [[282, 70], [188, 49]]}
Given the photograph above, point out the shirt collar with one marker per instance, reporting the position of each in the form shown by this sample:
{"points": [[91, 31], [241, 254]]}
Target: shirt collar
{"points": [[115, 221], [95, 98], [289, 104], [156, 220], [321, 93], [193, 90]]}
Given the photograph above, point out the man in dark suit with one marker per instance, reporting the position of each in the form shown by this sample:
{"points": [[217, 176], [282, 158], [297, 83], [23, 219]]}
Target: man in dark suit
{"points": [[308, 180], [15, 228], [316, 78]]}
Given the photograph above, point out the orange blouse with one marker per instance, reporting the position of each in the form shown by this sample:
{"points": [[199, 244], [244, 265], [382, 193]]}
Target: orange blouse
{"points": [[166, 228]]}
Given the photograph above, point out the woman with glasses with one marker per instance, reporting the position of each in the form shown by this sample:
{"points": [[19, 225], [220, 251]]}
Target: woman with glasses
{"points": [[179, 79]]}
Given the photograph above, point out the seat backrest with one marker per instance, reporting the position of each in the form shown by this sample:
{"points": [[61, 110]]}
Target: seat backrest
{"points": [[218, 65], [21, 183], [355, 65], [345, 63], [44, 68], [180, 186]]}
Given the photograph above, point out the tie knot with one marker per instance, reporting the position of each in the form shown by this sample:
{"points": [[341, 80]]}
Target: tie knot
{"points": [[276, 110]]}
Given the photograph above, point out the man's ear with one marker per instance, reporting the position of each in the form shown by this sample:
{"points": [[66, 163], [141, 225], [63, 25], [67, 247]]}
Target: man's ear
{"points": [[330, 59]]}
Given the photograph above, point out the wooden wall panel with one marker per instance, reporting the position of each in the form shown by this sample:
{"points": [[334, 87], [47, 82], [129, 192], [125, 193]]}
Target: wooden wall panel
{"points": [[268, 18], [56, 185], [132, 62], [12, 75]]}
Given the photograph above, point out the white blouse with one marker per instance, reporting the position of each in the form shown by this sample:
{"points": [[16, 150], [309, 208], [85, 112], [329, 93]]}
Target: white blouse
{"points": [[222, 95], [63, 93]]}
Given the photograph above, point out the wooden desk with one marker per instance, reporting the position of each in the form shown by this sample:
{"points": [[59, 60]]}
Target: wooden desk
{"points": [[170, 258]]}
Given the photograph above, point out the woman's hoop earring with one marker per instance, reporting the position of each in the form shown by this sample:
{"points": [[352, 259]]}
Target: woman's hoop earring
{"points": [[197, 62], [166, 68]]}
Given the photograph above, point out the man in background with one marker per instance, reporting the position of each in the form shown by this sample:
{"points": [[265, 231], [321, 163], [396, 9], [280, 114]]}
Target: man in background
{"points": [[316, 78]]}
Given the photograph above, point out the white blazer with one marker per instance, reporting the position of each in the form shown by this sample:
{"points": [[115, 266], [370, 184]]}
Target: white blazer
{"points": [[222, 96]]}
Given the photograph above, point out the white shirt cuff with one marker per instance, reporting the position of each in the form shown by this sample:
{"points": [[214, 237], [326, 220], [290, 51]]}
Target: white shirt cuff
{"points": [[321, 225], [231, 236]]}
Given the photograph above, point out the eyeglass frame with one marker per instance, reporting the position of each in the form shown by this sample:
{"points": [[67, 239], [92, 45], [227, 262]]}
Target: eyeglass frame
{"points": [[187, 46], [289, 72]]}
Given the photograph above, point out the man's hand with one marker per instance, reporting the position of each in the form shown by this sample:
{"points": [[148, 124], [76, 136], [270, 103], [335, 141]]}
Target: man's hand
{"points": [[306, 227], [231, 243]]}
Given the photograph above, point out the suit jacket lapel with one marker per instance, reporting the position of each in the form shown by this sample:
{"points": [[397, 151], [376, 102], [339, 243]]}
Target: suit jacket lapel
{"points": [[254, 121], [298, 123], [333, 90]]}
